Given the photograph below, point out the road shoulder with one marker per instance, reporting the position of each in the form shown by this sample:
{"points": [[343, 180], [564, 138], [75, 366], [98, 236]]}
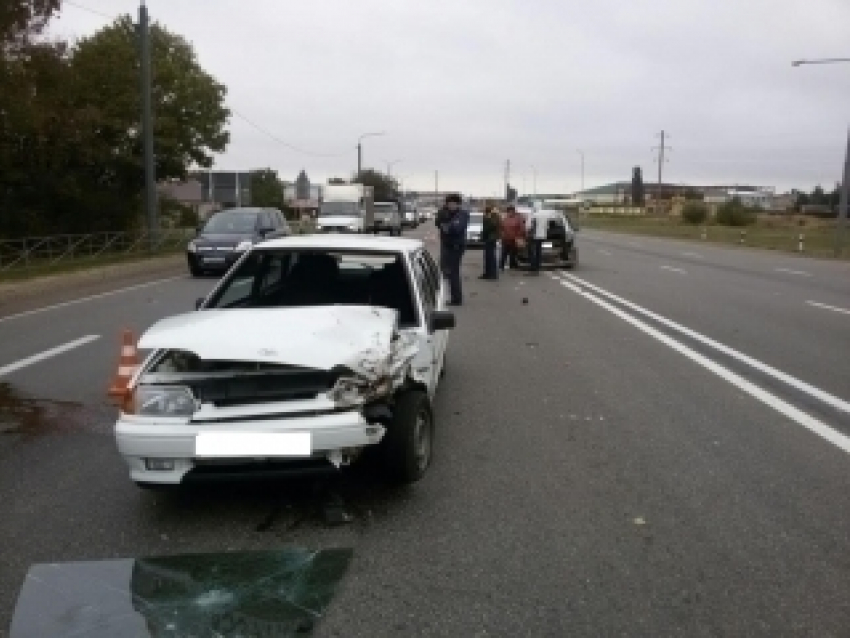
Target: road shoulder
{"points": [[24, 296]]}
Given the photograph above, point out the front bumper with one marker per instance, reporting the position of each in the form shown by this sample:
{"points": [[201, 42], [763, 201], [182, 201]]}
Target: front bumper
{"points": [[139, 439], [336, 229], [213, 261]]}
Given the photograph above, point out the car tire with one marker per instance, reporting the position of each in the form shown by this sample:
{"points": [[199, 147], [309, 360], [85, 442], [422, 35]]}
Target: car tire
{"points": [[407, 446], [194, 269]]}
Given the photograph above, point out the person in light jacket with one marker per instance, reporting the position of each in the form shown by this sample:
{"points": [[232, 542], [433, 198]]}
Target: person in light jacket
{"points": [[538, 226]]}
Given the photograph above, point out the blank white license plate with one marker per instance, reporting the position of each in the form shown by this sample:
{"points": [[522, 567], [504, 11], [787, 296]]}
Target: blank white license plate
{"points": [[547, 244], [253, 444]]}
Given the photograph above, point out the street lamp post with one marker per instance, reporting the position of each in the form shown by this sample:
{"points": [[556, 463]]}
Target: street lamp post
{"points": [[820, 61], [360, 148], [390, 167], [841, 222], [581, 153]]}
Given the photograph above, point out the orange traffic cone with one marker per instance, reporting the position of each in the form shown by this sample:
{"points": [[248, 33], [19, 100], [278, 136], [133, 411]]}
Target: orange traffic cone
{"points": [[127, 364]]}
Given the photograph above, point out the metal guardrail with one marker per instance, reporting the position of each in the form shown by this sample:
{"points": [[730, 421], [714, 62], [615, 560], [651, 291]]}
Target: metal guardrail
{"points": [[47, 253]]}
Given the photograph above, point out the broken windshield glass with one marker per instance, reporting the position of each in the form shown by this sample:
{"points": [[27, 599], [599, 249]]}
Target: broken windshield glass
{"points": [[265, 593]]}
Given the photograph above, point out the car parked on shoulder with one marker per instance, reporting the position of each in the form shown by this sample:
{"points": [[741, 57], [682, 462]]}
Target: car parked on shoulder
{"points": [[228, 234], [309, 352], [559, 247]]}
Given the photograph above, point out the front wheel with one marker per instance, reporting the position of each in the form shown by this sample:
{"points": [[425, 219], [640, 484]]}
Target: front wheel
{"points": [[408, 444], [194, 269]]}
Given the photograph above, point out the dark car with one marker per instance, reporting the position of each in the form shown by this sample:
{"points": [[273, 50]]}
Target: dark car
{"points": [[227, 234]]}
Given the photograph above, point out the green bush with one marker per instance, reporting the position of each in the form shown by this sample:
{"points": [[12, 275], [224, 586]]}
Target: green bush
{"points": [[694, 212], [734, 213]]}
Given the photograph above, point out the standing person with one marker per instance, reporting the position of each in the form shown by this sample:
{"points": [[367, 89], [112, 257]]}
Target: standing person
{"points": [[513, 231], [538, 226], [452, 221], [490, 236]]}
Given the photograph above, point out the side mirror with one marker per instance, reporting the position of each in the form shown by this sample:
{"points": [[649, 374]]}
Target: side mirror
{"points": [[266, 231], [198, 303], [441, 320]]}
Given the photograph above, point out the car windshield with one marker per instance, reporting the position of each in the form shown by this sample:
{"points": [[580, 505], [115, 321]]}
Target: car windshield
{"points": [[292, 278], [231, 223], [330, 209]]}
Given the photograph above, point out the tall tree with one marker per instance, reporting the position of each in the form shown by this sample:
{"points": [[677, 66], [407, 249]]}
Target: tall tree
{"points": [[266, 189], [21, 20], [638, 192], [385, 187]]}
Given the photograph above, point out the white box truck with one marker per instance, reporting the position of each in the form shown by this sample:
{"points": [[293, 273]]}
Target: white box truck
{"points": [[345, 208]]}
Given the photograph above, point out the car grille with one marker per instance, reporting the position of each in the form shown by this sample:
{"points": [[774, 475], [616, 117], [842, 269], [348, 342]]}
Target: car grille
{"points": [[296, 384]]}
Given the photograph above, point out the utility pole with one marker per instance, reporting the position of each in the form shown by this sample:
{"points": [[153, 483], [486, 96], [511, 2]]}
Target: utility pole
{"points": [[147, 126], [507, 180], [359, 157], [662, 149], [841, 222]]}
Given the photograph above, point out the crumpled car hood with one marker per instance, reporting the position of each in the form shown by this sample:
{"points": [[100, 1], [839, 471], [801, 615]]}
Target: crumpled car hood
{"points": [[360, 337]]}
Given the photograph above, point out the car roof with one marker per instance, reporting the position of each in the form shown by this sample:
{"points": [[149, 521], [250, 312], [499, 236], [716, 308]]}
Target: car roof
{"points": [[345, 242]]}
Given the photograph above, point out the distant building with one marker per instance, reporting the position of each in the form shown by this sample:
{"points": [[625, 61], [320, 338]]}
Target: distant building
{"points": [[619, 193], [224, 188]]}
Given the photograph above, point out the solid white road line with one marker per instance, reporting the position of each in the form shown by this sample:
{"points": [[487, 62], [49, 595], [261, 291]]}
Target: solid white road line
{"points": [[843, 311], [694, 255], [810, 423], [799, 273], [47, 354], [794, 382], [671, 269], [605, 252], [65, 304]]}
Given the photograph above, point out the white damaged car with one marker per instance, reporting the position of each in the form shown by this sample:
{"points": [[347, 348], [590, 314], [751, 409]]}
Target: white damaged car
{"points": [[310, 350]]}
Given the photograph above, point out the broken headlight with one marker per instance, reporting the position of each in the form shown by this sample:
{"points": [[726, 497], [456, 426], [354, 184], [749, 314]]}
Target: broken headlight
{"points": [[352, 391], [164, 401]]}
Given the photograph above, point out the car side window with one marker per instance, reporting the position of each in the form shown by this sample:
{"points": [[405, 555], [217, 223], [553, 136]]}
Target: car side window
{"points": [[432, 271], [429, 295]]}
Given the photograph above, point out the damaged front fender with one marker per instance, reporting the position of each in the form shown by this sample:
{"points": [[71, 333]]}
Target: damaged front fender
{"points": [[375, 372]]}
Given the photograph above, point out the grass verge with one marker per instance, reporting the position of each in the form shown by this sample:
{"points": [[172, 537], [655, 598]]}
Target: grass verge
{"points": [[818, 239]]}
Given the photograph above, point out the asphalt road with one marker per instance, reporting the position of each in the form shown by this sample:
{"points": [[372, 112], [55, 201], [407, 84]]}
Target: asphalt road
{"points": [[598, 471]]}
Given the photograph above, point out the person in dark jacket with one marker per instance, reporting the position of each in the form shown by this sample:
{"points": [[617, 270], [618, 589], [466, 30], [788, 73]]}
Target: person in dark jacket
{"points": [[452, 221], [490, 231]]}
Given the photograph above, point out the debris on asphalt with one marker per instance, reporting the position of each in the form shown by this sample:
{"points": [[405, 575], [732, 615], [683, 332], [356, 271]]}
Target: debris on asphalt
{"points": [[525, 300], [639, 521]]}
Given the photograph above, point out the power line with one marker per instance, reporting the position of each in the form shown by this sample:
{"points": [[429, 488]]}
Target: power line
{"points": [[244, 118], [89, 10], [280, 141]]}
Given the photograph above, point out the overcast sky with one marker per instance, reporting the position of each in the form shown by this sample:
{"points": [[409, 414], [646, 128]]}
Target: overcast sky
{"points": [[460, 86]]}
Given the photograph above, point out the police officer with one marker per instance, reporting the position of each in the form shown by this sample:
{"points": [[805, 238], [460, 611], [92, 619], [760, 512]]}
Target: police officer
{"points": [[452, 221]]}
